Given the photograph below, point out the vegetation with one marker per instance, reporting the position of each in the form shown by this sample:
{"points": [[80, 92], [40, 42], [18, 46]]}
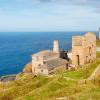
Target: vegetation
{"points": [[98, 55], [28, 87], [83, 72], [98, 43]]}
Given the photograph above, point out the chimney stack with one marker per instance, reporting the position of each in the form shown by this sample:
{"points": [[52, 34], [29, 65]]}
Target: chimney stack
{"points": [[99, 33], [56, 46]]}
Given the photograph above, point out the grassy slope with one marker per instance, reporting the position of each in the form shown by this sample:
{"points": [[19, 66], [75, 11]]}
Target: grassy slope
{"points": [[98, 55], [28, 87], [81, 73], [98, 43]]}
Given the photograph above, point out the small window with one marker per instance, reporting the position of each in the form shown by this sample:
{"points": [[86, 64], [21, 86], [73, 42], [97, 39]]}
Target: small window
{"points": [[39, 65], [41, 70], [44, 62]]}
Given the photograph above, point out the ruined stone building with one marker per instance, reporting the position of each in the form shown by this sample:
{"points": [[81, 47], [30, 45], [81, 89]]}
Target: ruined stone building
{"points": [[48, 61], [83, 49], [83, 52]]}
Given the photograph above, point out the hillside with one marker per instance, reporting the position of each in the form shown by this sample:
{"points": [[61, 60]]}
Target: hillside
{"points": [[28, 87]]}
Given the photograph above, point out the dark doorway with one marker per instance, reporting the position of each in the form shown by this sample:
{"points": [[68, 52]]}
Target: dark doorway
{"points": [[78, 60], [86, 59], [66, 66], [90, 51]]}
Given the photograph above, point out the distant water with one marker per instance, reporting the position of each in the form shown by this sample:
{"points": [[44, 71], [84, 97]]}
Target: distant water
{"points": [[16, 48]]}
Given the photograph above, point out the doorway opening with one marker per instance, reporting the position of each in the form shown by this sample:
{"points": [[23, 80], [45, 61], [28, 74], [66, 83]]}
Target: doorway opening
{"points": [[90, 50], [86, 59], [66, 66], [78, 60]]}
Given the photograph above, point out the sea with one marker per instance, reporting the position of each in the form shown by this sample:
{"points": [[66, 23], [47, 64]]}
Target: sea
{"points": [[16, 48]]}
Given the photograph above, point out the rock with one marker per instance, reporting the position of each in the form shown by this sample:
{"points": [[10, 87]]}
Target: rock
{"points": [[28, 68]]}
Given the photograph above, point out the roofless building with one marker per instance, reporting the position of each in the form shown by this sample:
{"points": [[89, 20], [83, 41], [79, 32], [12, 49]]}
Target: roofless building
{"points": [[48, 61]]}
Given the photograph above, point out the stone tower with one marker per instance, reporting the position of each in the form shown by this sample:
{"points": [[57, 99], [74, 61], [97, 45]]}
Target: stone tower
{"points": [[83, 49], [56, 46], [99, 33]]}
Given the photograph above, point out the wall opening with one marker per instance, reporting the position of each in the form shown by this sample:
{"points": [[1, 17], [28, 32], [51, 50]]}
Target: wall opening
{"points": [[42, 70], [90, 50], [86, 59], [66, 66], [78, 59]]}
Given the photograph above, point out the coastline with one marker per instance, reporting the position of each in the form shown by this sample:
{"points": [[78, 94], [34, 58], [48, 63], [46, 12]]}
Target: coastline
{"points": [[12, 77]]}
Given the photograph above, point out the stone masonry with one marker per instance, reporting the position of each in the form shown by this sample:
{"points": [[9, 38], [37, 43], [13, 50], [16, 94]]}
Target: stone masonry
{"points": [[83, 49]]}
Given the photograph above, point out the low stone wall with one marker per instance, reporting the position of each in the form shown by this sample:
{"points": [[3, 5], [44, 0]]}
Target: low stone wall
{"points": [[98, 49], [59, 68]]}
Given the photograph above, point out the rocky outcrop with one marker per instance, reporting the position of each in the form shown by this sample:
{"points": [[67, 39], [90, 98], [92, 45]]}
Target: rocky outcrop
{"points": [[8, 78], [28, 68]]}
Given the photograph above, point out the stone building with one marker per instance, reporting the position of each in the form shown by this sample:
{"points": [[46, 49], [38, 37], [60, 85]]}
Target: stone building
{"points": [[83, 49], [48, 61]]}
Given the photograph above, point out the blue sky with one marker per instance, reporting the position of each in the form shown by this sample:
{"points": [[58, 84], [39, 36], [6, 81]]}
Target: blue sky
{"points": [[49, 15]]}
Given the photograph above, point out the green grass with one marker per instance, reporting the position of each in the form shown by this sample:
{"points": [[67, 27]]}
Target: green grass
{"points": [[26, 87], [81, 73], [98, 54]]}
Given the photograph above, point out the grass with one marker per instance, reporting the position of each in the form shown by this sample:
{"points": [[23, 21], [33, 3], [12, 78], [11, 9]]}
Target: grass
{"points": [[98, 43], [27, 87], [98, 54], [81, 73]]}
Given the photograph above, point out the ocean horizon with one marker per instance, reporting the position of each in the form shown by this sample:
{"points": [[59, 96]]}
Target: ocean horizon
{"points": [[16, 48]]}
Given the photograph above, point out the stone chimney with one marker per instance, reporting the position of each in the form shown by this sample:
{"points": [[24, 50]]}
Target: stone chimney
{"points": [[99, 33], [56, 46]]}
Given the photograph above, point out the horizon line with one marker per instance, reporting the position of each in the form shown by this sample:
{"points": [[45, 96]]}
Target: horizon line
{"points": [[46, 31]]}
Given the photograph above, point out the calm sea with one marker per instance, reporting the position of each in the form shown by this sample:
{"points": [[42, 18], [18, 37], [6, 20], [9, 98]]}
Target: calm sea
{"points": [[16, 48]]}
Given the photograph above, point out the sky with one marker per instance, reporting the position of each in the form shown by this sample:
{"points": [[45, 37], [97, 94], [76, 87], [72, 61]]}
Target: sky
{"points": [[49, 15]]}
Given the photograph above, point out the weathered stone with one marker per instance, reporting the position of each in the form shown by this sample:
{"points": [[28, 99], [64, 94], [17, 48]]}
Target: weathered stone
{"points": [[47, 61], [83, 49]]}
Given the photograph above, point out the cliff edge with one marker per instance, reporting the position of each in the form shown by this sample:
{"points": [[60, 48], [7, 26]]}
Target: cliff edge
{"points": [[28, 68]]}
